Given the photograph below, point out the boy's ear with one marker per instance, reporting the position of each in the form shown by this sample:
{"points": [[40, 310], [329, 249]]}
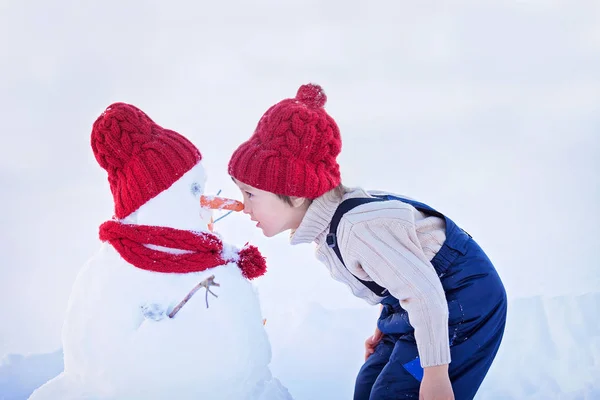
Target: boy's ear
{"points": [[298, 201]]}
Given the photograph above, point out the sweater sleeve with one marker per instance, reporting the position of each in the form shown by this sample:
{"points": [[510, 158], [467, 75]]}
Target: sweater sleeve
{"points": [[387, 251]]}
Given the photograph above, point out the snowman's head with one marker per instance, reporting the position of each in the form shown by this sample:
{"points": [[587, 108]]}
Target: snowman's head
{"points": [[178, 206], [155, 174]]}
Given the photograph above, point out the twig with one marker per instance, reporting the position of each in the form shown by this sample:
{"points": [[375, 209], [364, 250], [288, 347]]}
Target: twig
{"points": [[207, 283]]}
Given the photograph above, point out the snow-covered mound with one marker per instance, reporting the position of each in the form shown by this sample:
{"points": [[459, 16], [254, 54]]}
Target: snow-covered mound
{"points": [[21, 375], [318, 352], [551, 350]]}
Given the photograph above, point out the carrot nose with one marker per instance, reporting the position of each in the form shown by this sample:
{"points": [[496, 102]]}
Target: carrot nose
{"points": [[220, 203]]}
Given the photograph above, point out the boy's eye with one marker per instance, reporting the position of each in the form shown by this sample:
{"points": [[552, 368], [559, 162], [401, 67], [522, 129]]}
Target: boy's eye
{"points": [[249, 194]]}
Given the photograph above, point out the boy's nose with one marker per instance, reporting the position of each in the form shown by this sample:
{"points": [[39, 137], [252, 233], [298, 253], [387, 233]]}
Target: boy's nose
{"points": [[246, 208]]}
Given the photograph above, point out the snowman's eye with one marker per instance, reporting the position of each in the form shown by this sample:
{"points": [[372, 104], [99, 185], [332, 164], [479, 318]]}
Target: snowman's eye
{"points": [[196, 189]]}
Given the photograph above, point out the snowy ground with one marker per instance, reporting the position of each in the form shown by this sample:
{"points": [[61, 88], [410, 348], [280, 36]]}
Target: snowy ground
{"points": [[551, 350]]}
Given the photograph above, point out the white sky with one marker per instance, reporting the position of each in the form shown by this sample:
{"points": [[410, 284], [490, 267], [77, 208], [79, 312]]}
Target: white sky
{"points": [[487, 110]]}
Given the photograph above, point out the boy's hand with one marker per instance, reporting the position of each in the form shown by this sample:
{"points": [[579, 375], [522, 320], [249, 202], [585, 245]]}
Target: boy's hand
{"points": [[436, 384], [372, 342]]}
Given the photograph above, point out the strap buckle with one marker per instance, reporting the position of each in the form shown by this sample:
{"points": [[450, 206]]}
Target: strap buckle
{"points": [[331, 240]]}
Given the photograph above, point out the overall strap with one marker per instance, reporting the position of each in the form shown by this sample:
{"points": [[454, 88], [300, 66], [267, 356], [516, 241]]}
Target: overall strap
{"points": [[332, 242], [423, 208], [416, 204]]}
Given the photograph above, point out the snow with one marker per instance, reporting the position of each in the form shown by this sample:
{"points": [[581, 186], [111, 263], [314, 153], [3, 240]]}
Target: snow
{"points": [[551, 351], [20, 375]]}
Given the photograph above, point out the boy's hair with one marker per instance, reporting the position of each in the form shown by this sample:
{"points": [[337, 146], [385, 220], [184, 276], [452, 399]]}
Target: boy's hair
{"points": [[340, 190], [286, 199]]}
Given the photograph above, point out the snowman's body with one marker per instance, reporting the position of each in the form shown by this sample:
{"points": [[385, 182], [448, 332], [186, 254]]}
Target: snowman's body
{"points": [[120, 343]]}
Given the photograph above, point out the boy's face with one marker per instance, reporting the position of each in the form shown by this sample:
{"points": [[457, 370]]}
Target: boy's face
{"points": [[270, 213]]}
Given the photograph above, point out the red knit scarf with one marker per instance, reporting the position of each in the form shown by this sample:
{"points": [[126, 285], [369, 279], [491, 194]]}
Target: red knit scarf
{"points": [[204, 250]]}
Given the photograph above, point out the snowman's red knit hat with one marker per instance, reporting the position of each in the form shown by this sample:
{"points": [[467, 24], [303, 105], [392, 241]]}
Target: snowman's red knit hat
{"points": [[141, 158]]}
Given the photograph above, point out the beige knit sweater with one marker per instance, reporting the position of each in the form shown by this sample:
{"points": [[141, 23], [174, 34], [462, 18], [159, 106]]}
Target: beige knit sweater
{"points": [[391, 243]]}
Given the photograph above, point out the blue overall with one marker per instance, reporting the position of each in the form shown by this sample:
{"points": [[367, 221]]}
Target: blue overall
{"points": [[477, 315]]}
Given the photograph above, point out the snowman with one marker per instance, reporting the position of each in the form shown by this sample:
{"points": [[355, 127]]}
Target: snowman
{"points": [[164, 309]]}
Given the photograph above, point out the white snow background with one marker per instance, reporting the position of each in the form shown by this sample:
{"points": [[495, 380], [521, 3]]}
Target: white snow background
{"points": [[487, 110]]}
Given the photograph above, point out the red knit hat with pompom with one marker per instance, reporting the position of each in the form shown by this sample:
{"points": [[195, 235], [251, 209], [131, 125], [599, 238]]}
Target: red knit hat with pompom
{"points": [[293, 149], [141, 158]]}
